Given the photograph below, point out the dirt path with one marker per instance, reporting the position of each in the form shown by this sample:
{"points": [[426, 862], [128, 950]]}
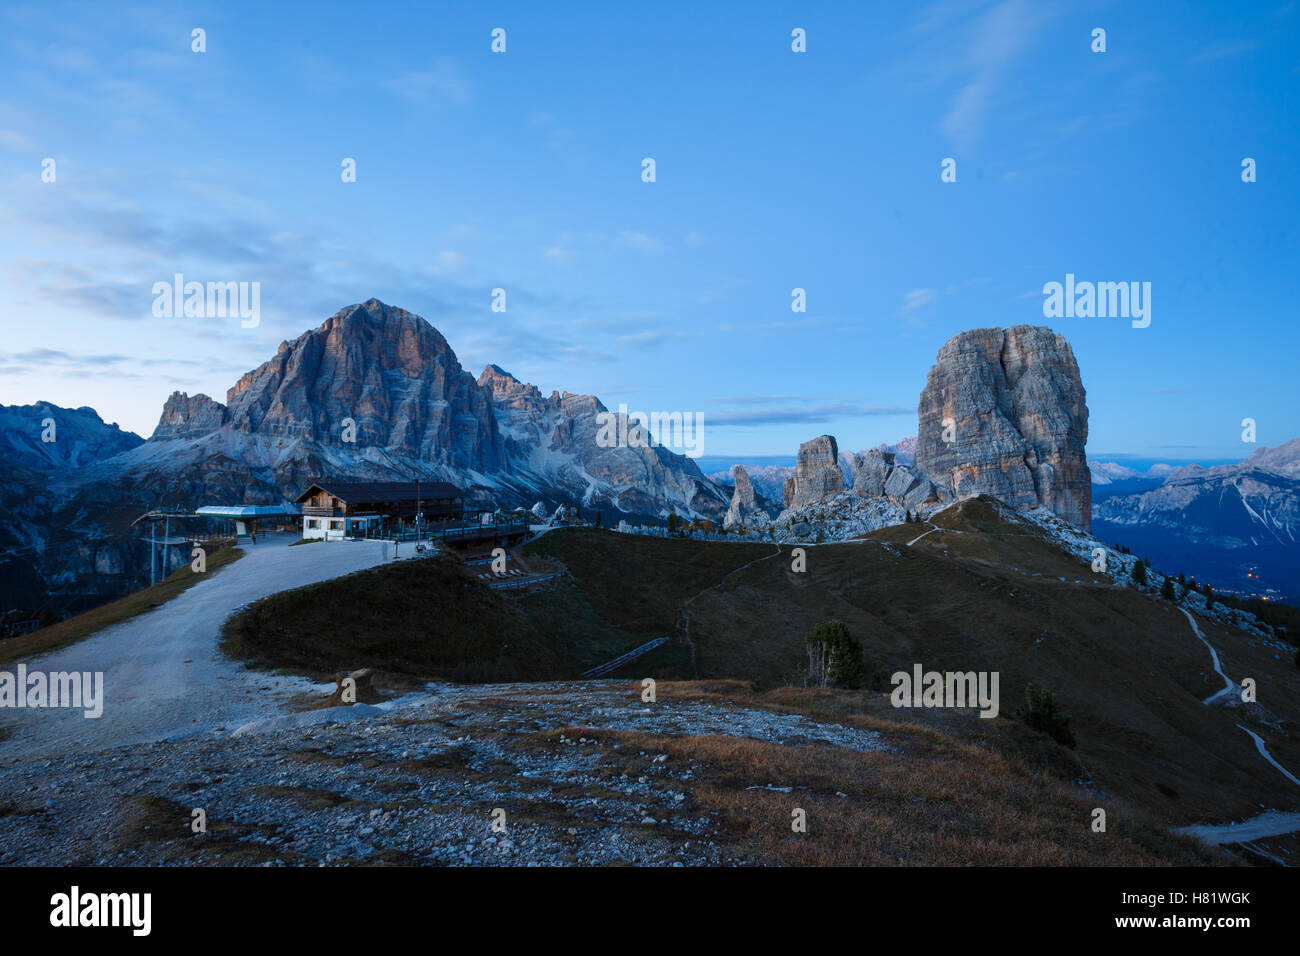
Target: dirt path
{"points": [[1271, 823], [684, 615], [1230, 686], [933, 529], [1268, 824], [163, 673]]}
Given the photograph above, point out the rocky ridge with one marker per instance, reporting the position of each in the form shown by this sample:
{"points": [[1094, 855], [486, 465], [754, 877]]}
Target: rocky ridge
{"points": [[552, 446]]}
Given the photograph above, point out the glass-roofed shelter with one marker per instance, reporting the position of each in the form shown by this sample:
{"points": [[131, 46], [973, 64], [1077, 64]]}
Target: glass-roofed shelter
{"points": [[246, 517]]}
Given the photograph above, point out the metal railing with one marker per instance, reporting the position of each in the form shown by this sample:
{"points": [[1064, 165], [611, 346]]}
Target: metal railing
{"points": [[627, 658], [460, 532], [509, 583]]}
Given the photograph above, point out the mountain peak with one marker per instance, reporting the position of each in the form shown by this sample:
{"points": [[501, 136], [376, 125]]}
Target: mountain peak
{"points": [[372, 376], [1003, 412], [496, 372]]}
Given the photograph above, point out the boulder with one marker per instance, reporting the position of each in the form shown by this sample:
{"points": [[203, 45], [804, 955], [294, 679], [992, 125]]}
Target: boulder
{"points": [[870, 469]]}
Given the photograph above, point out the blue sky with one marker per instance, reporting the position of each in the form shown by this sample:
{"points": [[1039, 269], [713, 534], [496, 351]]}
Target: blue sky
{"points": [[775, 170]]}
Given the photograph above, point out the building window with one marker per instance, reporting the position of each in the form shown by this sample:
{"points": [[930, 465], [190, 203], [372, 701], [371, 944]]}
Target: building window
{"points": [[313, 523]]}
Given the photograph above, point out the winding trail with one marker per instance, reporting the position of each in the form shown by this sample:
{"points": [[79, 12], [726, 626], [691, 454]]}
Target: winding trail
{"points": [[1259, 745], [1268, 824], [1229, 686], [933, 529], [684, 616]]}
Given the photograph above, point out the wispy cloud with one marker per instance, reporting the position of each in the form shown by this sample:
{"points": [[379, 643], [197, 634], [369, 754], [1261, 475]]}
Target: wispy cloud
{"points": [[645, 337], [445, 82], [1223, 50], [917, 298], [640, 241], [85, 365], [12, 139], [765, 399], [806, 416], [991, 44]]}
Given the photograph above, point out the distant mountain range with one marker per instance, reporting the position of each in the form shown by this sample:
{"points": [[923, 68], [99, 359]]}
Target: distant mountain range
{"points": [[1235, 526], [376, 392], [46, 438]]}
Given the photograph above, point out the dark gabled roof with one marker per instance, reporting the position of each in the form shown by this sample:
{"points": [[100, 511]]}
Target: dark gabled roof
{"points": [[354, 492]]}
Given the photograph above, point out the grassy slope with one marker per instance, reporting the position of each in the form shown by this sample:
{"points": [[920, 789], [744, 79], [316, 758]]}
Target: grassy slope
{"points": [[629, 589], [1125, 665], [944, 800], [424, 620], [81, 626]]}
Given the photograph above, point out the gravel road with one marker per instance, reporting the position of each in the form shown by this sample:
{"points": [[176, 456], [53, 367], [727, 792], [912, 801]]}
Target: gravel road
{"points": [[164, 676]]}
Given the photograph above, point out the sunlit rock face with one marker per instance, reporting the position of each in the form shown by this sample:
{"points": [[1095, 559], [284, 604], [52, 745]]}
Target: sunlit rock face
{"points": [[817, 473], [1019, 421]]}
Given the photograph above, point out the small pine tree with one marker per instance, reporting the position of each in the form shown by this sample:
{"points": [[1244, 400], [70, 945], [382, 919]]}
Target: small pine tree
{"points": [[834, 656], [1167, 589], [908, 518], [1182, 580], [1042, 712], [1139, 573], [598, 519], [1209, 597]]}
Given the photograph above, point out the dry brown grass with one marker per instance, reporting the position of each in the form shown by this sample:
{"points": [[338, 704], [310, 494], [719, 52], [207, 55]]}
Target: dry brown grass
{"points": [[940, 802]]}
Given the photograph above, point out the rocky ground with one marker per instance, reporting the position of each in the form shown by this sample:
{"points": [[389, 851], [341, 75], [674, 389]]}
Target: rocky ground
{"points": [[414, 781]]}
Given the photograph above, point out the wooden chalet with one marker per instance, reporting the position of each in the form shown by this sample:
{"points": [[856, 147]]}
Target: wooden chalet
{"points": [[338, 509]]}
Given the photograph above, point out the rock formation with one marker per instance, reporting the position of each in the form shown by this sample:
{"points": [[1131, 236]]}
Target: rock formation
{"points": [[188, 417], [817, 473], [870, 469], [390, 372], [1019, 421], [745, 510], [875, 472]]}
